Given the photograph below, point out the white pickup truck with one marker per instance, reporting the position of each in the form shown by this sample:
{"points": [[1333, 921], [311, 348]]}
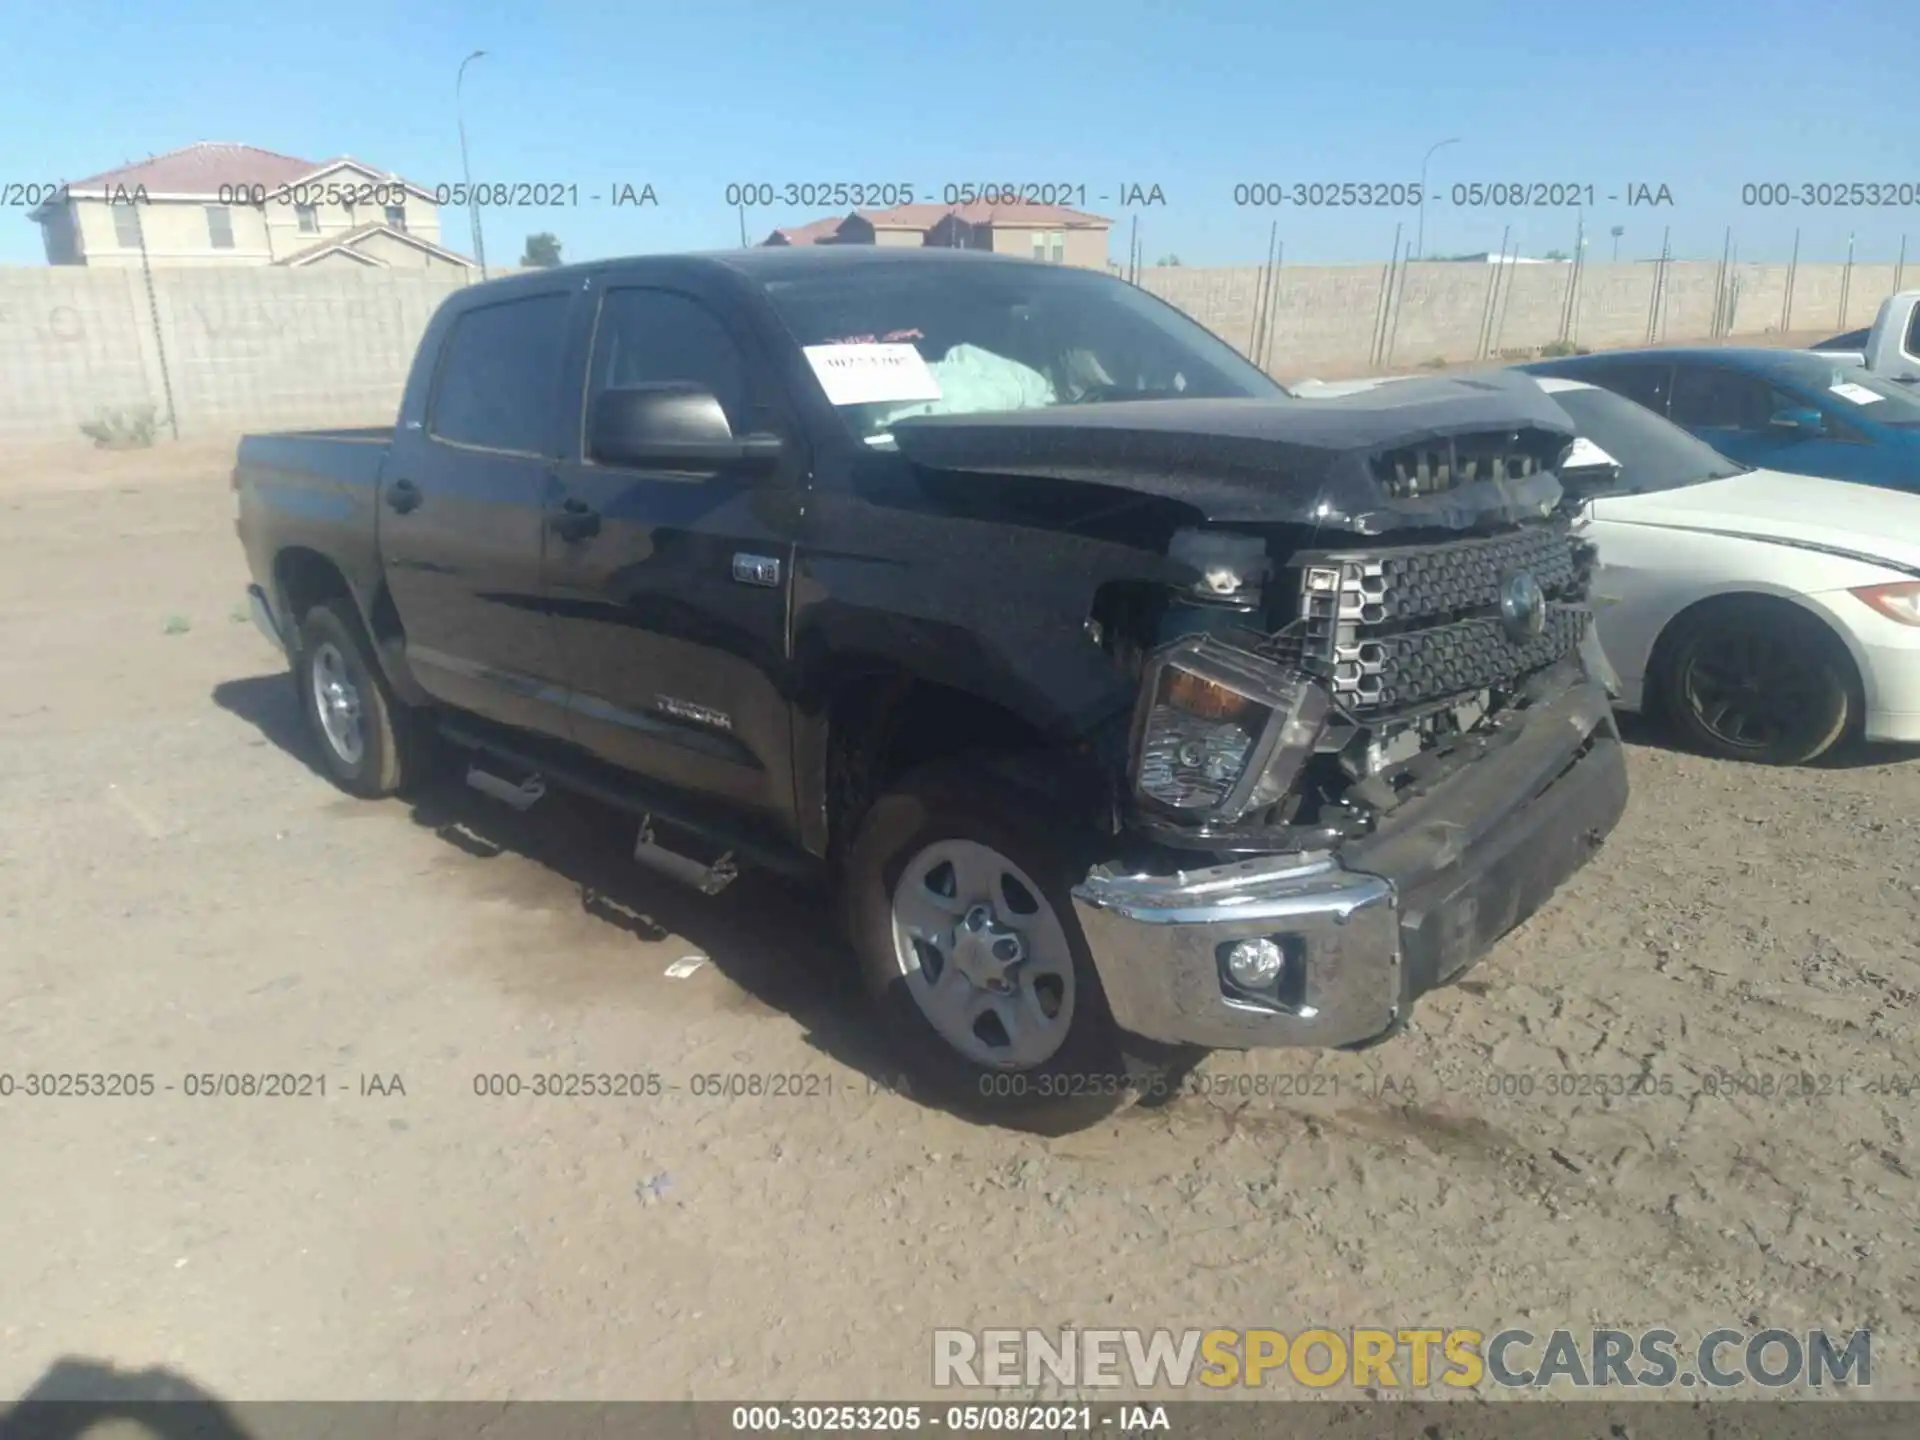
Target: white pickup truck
{"points": [[1891, 348]]}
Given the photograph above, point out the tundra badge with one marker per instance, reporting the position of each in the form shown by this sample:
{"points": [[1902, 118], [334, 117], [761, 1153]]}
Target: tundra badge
{"points": [[756, 569]]}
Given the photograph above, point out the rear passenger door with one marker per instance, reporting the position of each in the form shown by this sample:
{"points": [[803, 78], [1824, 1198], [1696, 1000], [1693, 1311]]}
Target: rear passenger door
{"points": [[670, 589], [460, 525]]}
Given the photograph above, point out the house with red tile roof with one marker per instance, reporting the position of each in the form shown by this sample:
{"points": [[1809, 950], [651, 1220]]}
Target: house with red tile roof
{"points": [[221, 204], [1034, 232]]}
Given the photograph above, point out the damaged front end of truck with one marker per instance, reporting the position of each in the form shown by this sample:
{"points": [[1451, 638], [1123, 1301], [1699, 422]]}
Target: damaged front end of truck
{"points": [[1372, 730]]}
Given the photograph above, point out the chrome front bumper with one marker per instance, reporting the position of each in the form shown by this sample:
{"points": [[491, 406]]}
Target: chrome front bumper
{"points": [[1368, 931], [1159, 943]]}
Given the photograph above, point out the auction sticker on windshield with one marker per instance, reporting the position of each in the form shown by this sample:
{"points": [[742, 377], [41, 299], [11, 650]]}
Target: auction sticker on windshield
{"points": [[1585, 454], [862, 374], [1859, 394]]}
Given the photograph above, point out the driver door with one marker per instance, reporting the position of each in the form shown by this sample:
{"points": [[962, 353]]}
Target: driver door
{"points": [[670, 589]]}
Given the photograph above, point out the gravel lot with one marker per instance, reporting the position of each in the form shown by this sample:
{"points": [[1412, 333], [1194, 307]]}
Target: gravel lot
{"points": [[181, 893]]}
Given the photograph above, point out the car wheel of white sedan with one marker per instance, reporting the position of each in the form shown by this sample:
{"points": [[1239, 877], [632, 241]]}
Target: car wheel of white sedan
{"points": [[1755, 679]]}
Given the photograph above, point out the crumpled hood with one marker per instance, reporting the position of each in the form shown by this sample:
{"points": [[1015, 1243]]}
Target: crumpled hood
{"points": [[1301, 461], [1858, 520]]}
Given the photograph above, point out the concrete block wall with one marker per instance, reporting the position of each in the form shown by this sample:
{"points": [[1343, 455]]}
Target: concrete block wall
{"points": [[237, 349], [264, 348], [72, 342], [1327, 316], [279, 348]]}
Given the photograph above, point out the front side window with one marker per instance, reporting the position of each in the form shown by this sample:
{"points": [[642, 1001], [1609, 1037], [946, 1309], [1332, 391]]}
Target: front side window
{"points": [[220, 227], [648, 336], [498, 376], [1854, 392]]}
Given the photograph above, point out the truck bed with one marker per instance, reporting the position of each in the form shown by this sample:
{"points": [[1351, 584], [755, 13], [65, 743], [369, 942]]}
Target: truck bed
{"points": [[315, 490]]}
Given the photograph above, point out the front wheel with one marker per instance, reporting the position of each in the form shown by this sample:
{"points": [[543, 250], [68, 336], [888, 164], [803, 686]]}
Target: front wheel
{"points": [[1757, 680], [957, 893]]}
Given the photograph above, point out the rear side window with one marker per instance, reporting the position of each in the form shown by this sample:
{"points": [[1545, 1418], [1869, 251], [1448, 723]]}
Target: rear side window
{"points": [[498, 377], [1646, 385], [1913, 334]]}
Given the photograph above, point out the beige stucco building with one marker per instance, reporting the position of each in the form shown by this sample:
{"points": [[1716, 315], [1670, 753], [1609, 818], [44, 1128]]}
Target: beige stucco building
{"points": [[216, 204], [1033, 232]]}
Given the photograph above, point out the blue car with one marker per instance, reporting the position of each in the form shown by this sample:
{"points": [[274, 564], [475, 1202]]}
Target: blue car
{"points": [[1774, 409]]}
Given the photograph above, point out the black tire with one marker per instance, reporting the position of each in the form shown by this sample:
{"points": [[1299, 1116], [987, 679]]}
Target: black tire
{"points": [[391, 736], [1096, 1067], [1756, 680]]}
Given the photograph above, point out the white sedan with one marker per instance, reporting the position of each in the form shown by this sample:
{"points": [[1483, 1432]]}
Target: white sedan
{"points": [[1763, 616]]}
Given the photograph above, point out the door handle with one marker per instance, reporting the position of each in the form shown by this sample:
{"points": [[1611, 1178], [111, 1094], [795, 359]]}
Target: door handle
{"points": [[576, 520], [403, 496]]}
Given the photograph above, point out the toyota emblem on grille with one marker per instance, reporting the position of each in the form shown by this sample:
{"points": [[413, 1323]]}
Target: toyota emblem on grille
{"points": [[1523, 607]]}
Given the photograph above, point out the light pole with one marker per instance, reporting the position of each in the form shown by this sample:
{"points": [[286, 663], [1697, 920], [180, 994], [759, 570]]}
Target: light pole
{"points": [[1420, 232], [466, 170], [1617, 232]]}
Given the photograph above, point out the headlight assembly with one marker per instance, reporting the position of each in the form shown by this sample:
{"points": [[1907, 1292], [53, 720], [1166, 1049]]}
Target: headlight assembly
{"points": [[1898, 601], [1219, 731]]}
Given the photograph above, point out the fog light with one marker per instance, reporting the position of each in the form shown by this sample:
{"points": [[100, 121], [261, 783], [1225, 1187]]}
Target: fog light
{"points": [[1255, 964]]}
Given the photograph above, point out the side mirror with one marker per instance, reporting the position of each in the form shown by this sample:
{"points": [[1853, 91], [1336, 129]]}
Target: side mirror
{"points": [[1805, 424], [671, 425]]}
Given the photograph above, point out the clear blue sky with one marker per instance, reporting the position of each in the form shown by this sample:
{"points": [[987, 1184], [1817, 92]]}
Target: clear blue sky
{"points": [[1191, 95]]}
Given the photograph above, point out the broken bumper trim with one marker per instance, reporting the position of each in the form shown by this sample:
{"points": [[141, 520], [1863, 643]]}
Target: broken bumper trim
{"points": [[1371, 930]]}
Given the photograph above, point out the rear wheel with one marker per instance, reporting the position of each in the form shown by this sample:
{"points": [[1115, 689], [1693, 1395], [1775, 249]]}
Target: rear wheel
{"points": [[1757, 680], [368, 742], [958, 899]]}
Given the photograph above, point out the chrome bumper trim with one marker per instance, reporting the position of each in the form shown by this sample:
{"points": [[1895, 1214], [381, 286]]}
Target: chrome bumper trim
{"points": [[1156, 941]]}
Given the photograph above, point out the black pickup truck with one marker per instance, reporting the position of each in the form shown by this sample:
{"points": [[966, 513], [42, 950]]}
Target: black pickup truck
{"points": [[1134, 705]]}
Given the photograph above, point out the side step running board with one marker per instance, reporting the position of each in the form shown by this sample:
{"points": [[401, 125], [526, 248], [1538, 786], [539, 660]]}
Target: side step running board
{"points": [[523, 795], [707, 879], [543, 773]]}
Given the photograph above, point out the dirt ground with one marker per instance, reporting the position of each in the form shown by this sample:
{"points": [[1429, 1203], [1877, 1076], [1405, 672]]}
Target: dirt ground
{"points": [[181, 894]]}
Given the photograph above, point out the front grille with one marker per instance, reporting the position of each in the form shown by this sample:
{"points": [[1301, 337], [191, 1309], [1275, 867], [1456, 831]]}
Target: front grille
{"points": [[1392, 627], [1416, 666]]}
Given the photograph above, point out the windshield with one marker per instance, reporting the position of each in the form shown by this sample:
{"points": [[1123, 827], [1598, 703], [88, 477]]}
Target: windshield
{"points": [[1001, 337], [1654, 454], [1854, 390]]}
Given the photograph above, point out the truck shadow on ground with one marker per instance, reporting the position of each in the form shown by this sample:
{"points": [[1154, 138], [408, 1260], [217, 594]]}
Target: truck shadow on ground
{"points": [[778, 941], [79, 1397]]}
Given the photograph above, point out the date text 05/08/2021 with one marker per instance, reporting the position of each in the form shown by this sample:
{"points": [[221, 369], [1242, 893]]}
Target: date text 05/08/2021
{"points": [[1467, 195], [1508, 1086], [1011, 1419], [66, 1085], [886, 194]]}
